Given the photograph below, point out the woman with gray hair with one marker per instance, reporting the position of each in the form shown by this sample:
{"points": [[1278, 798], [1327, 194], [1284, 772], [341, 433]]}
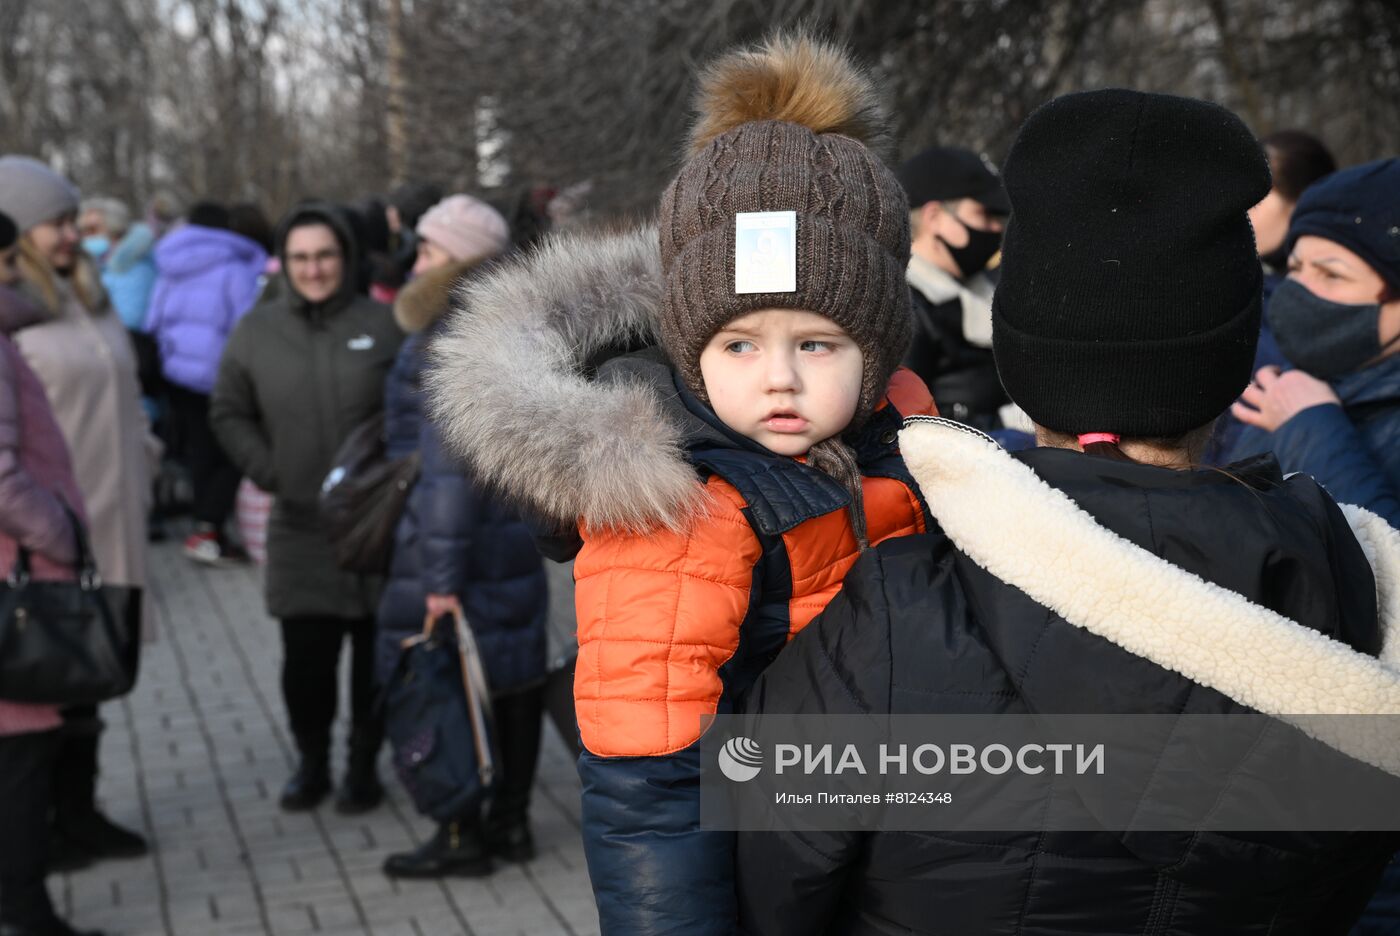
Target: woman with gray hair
{"points": [[125, 256]]}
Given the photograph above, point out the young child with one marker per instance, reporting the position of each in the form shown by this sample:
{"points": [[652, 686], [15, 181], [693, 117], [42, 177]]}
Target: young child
{"points": [[722, 483]]}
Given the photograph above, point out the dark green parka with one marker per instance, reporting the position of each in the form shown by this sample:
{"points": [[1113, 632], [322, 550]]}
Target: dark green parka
{"points": [[295, 379]]}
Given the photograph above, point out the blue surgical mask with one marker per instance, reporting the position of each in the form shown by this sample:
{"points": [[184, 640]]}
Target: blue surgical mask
{"points": [[96, 246]]}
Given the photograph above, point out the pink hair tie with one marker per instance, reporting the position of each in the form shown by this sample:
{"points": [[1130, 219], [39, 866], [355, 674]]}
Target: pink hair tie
{"points": [[1090, 438]]}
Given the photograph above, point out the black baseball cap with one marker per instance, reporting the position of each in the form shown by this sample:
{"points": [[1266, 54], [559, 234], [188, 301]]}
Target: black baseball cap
{"points": [[947, 173]]}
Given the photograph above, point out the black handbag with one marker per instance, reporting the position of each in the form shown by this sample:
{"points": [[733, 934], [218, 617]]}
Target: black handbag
{"points": [[71, 642], [363, 497], [437, 716]]}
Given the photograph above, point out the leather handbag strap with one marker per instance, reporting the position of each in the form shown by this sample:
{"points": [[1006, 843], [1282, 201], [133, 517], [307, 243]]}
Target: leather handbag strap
{"points": [[84, 564], [88, 576], [478, 697]]}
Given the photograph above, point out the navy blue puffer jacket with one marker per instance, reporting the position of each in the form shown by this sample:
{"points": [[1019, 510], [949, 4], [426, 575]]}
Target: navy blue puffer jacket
{"points": [[453, 538]]}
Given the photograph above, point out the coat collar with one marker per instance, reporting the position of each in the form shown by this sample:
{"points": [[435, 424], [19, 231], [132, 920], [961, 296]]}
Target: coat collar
{"points": [[17, 311], [426, 299], [1380, 381], [939, 286], [1005, 518]]}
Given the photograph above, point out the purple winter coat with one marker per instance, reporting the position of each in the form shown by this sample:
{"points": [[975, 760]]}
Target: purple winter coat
{"points": [[208, 279], [36, 481]]}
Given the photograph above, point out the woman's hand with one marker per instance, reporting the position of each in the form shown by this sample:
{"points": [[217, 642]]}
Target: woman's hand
{"points": [[1274, 398], [440, 605]]}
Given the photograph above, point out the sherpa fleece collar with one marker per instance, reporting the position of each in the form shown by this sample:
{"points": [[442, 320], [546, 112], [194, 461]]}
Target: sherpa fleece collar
{"points": [[1030, 535]]}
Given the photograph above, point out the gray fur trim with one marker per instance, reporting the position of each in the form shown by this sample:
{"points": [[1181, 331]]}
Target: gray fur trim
{"points": [[504, 382]]}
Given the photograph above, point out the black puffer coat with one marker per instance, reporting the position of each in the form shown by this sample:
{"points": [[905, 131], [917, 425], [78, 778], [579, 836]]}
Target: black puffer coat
{"points": [[922, 626], [962, 376]]}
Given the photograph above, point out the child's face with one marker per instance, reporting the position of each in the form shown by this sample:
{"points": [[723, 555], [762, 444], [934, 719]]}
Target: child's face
{"points": [[785, 378]]}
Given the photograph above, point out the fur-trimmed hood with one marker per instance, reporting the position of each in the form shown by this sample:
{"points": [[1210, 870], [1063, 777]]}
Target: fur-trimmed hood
{"points": [[508, 383], [427, 297], [1123, 552]]}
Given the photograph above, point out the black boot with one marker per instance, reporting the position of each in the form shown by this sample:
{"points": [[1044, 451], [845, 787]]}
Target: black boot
{"points": [[309, 785], [508, 828], [81, 834], [519, 719], [456, 849], [25, 907], [361, 790]]}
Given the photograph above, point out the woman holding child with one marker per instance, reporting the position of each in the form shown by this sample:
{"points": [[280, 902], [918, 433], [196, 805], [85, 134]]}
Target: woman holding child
{"points": [[1103, 572], [725, 481]]}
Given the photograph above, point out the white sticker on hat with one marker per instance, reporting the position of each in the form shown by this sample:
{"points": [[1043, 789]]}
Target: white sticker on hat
{"points": [[765, 252]]}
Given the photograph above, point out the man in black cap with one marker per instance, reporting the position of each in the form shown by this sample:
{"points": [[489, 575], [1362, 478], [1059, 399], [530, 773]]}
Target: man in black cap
{"points": [[957, 211]]}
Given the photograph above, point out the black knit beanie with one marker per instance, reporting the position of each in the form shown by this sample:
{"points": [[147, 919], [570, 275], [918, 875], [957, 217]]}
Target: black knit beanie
{"points": [[1129, 297]]}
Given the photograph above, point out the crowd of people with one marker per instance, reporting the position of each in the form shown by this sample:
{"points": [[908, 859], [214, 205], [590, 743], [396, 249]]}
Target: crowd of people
{"points": [[204, 344], [813, 440]]}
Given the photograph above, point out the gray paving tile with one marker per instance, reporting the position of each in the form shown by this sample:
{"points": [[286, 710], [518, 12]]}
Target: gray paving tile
{"points": [[195, 756]]}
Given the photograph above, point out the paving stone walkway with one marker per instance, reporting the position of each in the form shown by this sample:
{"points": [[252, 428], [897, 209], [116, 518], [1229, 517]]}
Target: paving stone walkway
{"points": [[195, 758]]}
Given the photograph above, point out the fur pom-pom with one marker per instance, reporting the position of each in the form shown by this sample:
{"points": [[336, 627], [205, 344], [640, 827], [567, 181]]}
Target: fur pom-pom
{"points": [[792, 77]]}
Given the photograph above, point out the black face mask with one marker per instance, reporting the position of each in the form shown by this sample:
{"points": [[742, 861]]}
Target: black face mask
{"points": [[1326, 339], [973, 256]]}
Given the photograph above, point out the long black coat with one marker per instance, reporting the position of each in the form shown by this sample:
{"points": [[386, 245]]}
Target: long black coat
{"points": [[921, 627]]}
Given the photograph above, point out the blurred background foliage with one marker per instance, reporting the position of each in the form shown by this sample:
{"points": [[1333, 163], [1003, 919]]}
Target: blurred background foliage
{"points": [[273, 100]]}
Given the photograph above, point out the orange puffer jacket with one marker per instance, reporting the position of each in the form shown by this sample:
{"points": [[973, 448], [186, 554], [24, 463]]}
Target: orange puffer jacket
{"points": [[699, 552], [660, 613]]}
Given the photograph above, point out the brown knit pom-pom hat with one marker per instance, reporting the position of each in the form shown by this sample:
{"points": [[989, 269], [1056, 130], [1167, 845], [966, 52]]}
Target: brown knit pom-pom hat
{"points": [[788, 126]]}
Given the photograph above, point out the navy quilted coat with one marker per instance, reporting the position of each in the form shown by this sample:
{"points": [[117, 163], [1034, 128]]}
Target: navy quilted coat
{"points": [[1352, 450], [454, 539]]}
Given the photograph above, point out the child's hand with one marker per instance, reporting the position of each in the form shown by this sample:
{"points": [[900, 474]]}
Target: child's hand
{"points": [[440, 605]]}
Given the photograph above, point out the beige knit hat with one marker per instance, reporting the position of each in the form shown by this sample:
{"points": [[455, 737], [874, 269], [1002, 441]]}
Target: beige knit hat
{"points": [[788, 126]]}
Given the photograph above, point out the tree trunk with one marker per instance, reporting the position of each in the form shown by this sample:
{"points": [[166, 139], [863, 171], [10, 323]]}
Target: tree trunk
{"points": [[396, 111]]}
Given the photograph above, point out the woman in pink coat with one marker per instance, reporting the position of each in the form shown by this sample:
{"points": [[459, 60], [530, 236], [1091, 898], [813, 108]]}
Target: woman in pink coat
{"points": [[36, 482], [84, 359]]}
